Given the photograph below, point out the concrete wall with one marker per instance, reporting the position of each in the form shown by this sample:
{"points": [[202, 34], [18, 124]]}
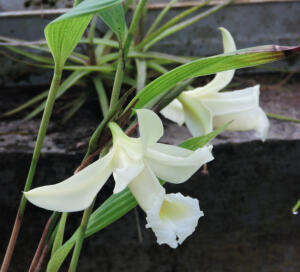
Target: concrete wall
{"points": [[251, 25]]}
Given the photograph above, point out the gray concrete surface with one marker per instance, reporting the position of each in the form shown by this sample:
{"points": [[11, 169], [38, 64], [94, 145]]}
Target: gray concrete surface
{"points": [[250, 24]]}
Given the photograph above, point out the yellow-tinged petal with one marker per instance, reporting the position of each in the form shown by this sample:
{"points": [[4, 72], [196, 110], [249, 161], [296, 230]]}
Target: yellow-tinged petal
{"points": [[198, 118], [173, 218], [77, 192]]}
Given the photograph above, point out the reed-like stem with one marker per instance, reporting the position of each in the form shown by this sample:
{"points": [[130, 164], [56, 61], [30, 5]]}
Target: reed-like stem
{"points": [[81, 232], [35, 157]]}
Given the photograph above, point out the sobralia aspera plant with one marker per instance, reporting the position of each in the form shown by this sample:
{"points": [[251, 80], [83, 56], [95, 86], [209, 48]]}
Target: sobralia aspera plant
{"points": [[139, 165]]}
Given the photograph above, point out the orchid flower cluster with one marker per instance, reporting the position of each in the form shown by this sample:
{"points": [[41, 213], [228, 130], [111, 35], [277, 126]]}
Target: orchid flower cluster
{"points": [[136, 163], [142, 163]]}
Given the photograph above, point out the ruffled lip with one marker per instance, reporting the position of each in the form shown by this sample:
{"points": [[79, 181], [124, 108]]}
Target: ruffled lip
{"points": [[173, 218]]}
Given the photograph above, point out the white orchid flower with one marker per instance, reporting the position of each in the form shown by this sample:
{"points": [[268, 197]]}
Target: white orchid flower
{"points": [[204, 108], [136, 163]]}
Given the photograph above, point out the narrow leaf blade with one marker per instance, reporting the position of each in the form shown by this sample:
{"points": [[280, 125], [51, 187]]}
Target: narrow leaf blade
{"points": [[115, 19], [249, 57]]}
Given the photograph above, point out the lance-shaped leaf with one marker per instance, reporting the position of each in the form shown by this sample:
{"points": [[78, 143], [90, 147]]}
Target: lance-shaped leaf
{"points": [[151, 94], [64, 33], [115, 19]]}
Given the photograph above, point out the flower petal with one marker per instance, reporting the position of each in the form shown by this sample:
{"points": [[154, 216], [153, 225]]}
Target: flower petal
{"points": [[173, 218], [222, 79], [198, 118], [75, 193], [175, 164], [146, 189], [126, 169], [254, 119], [230, 102], [174, 112], [132, 147], [150, 127]]}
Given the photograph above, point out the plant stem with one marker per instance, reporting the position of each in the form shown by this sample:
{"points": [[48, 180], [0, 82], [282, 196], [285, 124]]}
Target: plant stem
{"points": [[80, 237], [86, 215], [124, 52], [134, 24], [101, 94], [41, 134], [118, 80], [114, 99], [35, 157], [91, 48], [48, 228]]}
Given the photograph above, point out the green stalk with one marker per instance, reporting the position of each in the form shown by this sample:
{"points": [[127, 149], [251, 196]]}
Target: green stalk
{"points": [[88, 211], [114, 100], [80, 237], [118, 80], [41, 134], [36, 154], [101, 95], [92, 57], [124, 52], [134, 24], [141, 74]]}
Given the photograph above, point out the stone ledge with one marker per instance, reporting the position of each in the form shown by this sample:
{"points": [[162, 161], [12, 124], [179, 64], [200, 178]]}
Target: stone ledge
{"points": [[16, 135]]}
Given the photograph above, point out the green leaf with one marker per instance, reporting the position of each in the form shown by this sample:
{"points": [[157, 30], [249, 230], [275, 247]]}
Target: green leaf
{"points": [[141, 74], [60, 255], [282, 117], [27, 104], [151, 94], [115, 19], [30, 55], [160, 16], [60, 233], [102, 41], [196, 142], [64, 33], [175, 28], [170, 24], [102, 97], [296, 207]]}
